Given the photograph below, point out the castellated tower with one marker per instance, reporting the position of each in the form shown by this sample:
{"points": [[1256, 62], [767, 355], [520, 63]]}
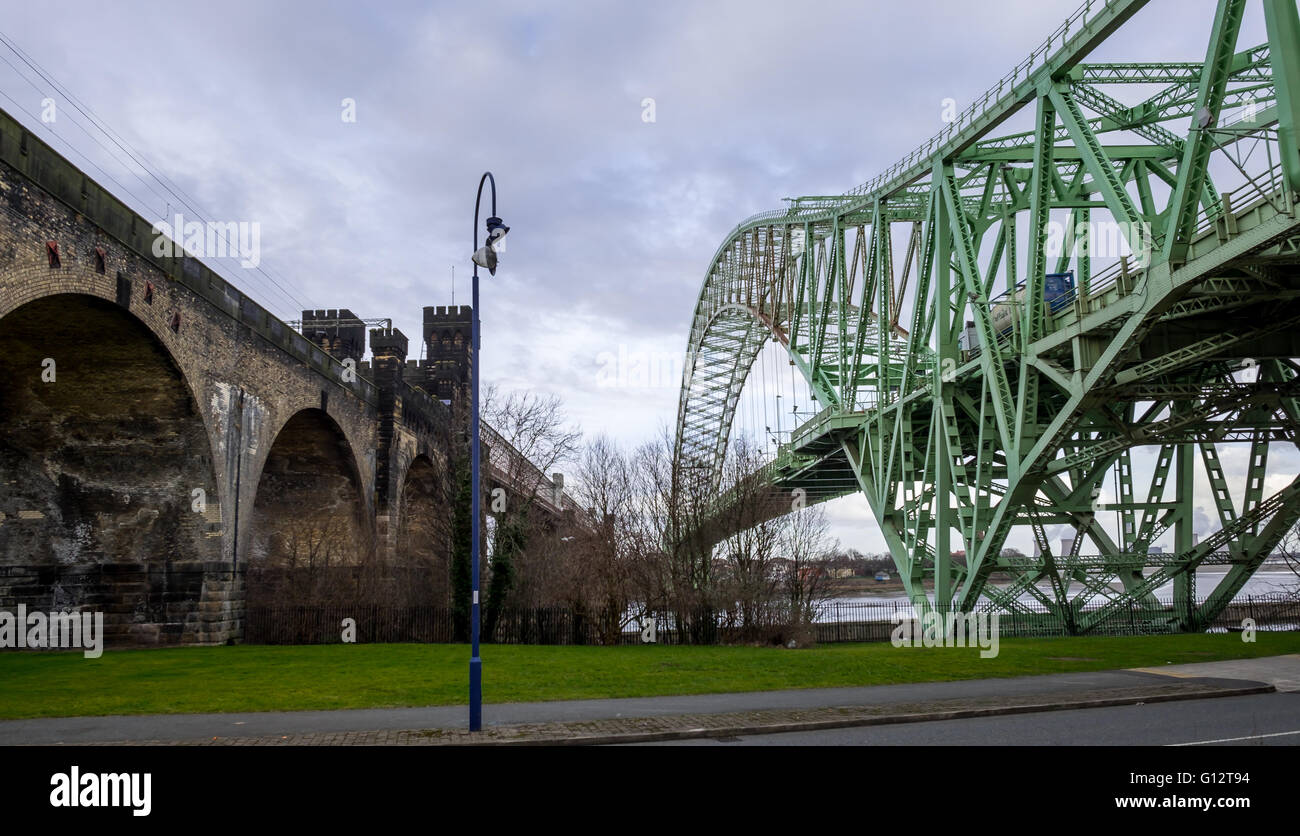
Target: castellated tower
{"points": [[340, 332], [447, 333]]}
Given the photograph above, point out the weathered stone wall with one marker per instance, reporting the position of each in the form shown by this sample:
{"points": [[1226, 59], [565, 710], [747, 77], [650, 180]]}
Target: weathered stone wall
{"points": [[167, 381], [157, 603]]}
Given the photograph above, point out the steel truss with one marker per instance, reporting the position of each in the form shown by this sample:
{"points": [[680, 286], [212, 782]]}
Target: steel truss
{"points": [[962, 408]]}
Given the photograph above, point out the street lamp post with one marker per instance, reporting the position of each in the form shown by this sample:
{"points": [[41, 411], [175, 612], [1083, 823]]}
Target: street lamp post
{"points": [[485, 257]]}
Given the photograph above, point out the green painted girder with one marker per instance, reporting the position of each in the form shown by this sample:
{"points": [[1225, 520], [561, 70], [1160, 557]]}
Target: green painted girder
{"points": [[1177, 100], [1284, 38], [1194, 168], [1025, 154], [1249, 69], [1253, 67]]}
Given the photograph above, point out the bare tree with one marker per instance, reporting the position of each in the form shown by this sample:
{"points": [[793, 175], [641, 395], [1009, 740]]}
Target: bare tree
{"points": [[749, 512], [528, 436], [320, 559], [604, 543], [707, 549], [671, 507], [803, 543]]}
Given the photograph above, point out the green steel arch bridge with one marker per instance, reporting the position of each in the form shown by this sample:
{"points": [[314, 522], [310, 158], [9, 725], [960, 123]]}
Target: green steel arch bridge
{"points": [[997, 328]]}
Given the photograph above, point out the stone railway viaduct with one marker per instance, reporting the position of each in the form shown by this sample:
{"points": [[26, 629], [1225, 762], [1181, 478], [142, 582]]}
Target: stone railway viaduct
{"points": [[160, 431]]}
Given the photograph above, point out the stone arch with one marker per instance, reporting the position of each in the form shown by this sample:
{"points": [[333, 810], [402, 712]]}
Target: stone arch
{"points": [[110, 498], [104, 452], [310, 536], [421, 548]]}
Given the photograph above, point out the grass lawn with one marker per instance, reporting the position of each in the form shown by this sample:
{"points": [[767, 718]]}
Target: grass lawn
{"points": [[261, 678]]}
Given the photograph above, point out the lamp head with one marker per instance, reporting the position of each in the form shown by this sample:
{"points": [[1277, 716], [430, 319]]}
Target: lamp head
{"points": [[496, 231], [486, 257], [487, 254]]}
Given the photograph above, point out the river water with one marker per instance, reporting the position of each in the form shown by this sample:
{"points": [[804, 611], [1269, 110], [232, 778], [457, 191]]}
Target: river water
{"points": [[1267, 580]]}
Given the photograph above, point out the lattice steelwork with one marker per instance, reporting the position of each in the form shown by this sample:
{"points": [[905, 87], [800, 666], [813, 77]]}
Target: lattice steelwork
{"points": [[976, 383]]}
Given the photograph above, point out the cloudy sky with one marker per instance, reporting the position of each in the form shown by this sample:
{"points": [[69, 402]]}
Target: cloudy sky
{"points": [[614, 215]]}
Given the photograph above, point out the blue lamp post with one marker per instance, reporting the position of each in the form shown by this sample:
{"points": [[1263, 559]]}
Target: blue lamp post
{"points": [[486, 256]]}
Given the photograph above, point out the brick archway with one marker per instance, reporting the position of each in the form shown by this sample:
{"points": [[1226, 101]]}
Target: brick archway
{"points": [[423, 536], [111, 494], [102, 437], [309, 529]]}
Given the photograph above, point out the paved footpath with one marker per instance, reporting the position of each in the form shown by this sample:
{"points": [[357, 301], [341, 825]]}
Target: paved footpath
{"points": [[674, 718]]}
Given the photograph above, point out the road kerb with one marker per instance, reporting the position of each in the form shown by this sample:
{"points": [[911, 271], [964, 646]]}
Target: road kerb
{"points": [[875, 720]]}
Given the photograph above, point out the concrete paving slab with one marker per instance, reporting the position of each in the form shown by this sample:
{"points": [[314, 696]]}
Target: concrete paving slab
{"points": [[1282, 672]]}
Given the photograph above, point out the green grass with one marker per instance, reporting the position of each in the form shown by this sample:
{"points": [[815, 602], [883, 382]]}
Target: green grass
{"points": [[258, 678]]}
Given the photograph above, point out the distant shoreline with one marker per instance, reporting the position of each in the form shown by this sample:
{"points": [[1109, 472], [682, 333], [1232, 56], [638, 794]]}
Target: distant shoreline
{"points": [[867, 587]]}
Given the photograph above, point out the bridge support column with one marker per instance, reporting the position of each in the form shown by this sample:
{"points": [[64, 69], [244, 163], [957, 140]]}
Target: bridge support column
{"points": [[220, 616], [1184, 582], [389, 346]]}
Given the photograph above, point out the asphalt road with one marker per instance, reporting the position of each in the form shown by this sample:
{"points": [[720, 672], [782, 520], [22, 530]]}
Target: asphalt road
{"points": [[1256, 720]]}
